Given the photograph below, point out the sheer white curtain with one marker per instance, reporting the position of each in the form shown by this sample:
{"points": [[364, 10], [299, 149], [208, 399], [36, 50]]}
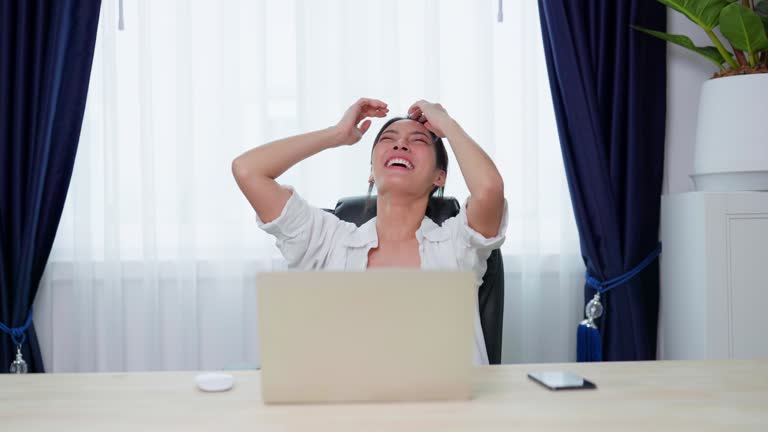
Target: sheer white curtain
{"points": [[155, 260]]}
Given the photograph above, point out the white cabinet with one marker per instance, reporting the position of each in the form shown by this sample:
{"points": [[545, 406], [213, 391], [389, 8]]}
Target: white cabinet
{"points": [[714, 276]]}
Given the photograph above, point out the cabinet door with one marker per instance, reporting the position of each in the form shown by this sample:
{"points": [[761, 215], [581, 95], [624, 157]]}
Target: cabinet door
{"points": [[747, 284]]}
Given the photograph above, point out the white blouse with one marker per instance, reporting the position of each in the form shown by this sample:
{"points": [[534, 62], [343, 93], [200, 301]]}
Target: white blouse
{"points": [[312, 239]]}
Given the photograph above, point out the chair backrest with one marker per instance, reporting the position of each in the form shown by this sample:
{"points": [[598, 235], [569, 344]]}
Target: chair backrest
{"points": [[491, 292]]}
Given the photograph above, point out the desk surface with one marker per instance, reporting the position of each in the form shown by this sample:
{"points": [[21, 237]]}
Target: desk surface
{"points": [[716, 395]]}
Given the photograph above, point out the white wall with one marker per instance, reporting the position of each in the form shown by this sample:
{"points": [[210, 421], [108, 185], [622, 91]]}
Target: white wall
{"points": [[686, 72]]}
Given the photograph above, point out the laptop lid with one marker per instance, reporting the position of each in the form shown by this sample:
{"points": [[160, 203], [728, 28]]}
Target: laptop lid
{"points": [[380, 335]]}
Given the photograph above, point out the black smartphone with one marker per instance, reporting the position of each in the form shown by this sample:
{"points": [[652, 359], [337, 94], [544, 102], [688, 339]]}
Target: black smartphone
{"points": [[560, 380]]}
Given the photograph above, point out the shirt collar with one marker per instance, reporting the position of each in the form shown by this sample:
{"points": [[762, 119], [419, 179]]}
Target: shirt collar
{"points": [[366, 234]]}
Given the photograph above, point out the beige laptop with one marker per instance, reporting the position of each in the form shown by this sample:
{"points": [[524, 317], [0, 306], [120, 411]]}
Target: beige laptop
{"points": [[366, 336]]}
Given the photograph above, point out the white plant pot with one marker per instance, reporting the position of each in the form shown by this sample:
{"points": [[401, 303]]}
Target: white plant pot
{"points": [[731, 152]]}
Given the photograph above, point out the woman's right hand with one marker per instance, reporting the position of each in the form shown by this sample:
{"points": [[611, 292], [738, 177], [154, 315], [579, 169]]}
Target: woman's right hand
{"points": [[350, 129]]}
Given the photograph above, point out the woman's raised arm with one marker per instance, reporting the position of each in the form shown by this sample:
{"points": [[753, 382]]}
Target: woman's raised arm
{"points": [[256, 170], [486, 187]]}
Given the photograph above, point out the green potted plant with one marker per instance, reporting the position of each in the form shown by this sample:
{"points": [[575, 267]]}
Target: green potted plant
{"points": [[731, 152]]}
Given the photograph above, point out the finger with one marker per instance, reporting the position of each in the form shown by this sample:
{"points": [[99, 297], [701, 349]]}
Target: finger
{"points": [[376, 102], [414, 115], [370, 114], [371, 102], [375, 112], [365, 106], [363, 115], [364, 126], [418, 105]]}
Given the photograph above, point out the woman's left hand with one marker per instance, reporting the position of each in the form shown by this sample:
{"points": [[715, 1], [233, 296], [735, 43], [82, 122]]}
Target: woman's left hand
{"points": [[432, 115]]}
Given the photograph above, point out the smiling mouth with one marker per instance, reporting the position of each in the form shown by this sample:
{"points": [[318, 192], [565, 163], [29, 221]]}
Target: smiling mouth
{"points": [[399, 162]]}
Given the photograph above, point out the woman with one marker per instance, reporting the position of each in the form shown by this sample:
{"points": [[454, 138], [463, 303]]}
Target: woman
{"points": [[408, 165]]}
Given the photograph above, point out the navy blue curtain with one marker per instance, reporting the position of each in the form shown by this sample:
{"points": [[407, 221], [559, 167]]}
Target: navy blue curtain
{"points": [[608, 87], [46, 51]]}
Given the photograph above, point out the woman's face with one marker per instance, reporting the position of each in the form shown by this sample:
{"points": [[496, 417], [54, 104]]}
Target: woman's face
{"points": [[404, 160]]}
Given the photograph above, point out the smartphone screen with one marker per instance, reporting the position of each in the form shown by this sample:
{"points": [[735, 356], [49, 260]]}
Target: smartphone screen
{"points": [[560, 380]]}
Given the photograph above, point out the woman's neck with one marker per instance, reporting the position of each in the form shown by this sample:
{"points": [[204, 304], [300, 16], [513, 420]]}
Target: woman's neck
{"points": [[398, 218]]}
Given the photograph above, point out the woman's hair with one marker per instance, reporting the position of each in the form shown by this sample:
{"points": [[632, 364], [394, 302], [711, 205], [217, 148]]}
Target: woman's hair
{"points": [[441, 156]]}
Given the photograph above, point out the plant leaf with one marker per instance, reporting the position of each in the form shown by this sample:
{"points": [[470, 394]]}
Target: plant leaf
{"points": [[743, 28], [710, 52], [705, 13]]}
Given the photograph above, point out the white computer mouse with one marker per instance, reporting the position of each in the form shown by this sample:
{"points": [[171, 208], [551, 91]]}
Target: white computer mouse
{"points": [[214, 381]]}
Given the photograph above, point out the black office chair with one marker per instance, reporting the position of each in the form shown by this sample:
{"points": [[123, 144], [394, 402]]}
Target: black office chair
{"points": [[491, 293]]}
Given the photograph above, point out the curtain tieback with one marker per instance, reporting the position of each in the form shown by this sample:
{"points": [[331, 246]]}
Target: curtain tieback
{"points": [[589, 345], [18, 336], [604, 286]]}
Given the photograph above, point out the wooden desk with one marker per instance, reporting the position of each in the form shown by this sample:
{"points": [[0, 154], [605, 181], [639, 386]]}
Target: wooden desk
{"points": [[717, 395]]}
